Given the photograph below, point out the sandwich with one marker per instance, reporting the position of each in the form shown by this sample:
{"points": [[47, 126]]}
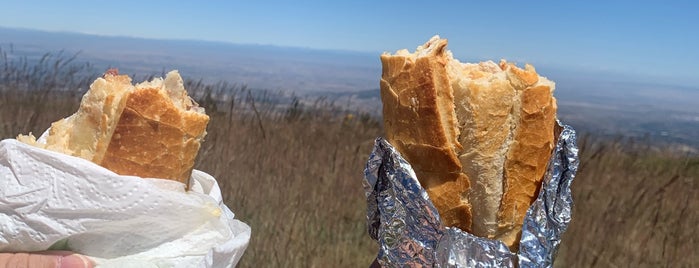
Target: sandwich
{"points": [[152, 129], [478, 135]]}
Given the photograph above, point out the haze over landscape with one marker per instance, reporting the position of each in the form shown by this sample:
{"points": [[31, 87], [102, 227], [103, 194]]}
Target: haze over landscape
{"points": [[292, 92], [592, 101], [619, 70]]}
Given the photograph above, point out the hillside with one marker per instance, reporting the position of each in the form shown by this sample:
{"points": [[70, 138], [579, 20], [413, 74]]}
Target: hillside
{"points": [[293, 172], [608, 105], [258, 66]]}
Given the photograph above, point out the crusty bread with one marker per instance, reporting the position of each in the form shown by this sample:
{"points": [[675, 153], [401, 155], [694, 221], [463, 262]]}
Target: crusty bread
{"points": [[151, 130], [503, 117], [530, 150], [86, 134], [420, 122], [484, 101]]}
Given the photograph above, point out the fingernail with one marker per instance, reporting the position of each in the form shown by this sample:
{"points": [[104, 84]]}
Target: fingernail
{"points": [[75, 261]]}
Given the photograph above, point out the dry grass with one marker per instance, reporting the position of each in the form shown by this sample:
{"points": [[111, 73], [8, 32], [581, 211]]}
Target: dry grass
{"points": [[297, 182], [293, 173], [633, 209]]}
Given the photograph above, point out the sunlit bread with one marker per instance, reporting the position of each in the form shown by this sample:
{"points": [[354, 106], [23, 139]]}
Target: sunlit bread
{"points": [[479, 136], [152, 129]]}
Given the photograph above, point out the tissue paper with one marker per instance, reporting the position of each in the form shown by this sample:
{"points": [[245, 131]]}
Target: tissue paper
{"points": [[52, 200]]}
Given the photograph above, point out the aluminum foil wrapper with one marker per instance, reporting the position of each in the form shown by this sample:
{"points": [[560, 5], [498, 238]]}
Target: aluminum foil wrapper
{"points": [[402, 218]]}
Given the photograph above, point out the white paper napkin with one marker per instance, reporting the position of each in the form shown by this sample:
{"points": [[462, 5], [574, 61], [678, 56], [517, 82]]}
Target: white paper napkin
{"points": [[52, 200]]}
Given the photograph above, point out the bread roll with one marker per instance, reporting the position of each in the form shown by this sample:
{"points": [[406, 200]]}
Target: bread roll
{"points": [[420, 121], [484, 101], [530, 150], [478, 135], [151, 130]]}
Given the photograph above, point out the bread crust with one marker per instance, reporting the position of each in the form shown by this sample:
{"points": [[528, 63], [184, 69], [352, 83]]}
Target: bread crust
{"points": [[155, 139], [528, 156], [420, 121], [86, 133], [149, 130], [504, 117]]}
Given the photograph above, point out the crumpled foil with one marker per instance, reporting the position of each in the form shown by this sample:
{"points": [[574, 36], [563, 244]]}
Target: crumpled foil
{"points": [[402, 218]]}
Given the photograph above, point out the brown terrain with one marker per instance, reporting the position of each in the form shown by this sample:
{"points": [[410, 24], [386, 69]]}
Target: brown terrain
{"points": [[293, 172]]}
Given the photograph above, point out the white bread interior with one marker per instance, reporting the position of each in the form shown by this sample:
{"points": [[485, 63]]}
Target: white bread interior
{"points": [[484, 108], [504, 119], [86, 133], [152, 129]]}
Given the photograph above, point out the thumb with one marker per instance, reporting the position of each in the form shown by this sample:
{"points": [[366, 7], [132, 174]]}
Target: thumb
{"points": [[67, 259], [45, 259]]}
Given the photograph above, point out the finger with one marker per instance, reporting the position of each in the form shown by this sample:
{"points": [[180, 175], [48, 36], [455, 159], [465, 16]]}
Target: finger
{"points": [[14, 260], [43, 261], [4, 257], [375, 264], [55, 252], [76, 261], [69, 259], [49, 259], [28, 260]]}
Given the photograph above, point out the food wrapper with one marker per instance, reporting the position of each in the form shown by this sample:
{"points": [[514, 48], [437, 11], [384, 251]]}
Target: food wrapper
{"points": [[49, 200], [402, 218]]}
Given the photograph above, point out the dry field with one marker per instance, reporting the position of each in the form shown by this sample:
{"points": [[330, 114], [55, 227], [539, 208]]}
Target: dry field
{"points": [[293, 173]]}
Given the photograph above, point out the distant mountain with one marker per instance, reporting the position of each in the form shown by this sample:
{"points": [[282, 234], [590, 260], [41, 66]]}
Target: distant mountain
{"points": [[257, 66], [607, 104]]}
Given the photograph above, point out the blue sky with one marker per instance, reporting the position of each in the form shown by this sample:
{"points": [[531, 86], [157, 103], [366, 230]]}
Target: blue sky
{"points": [[650, 39]]}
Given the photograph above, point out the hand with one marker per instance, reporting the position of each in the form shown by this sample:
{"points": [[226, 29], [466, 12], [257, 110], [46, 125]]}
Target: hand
{"points": [[44, 259], [375, 264]]}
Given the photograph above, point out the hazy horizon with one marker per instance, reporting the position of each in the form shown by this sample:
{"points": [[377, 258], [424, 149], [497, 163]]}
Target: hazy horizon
{"points": [[650, 41], [598, 102], [569, 72]]}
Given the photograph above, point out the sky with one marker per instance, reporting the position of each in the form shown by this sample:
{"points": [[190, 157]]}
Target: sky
{"points": [[656, 39]]}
